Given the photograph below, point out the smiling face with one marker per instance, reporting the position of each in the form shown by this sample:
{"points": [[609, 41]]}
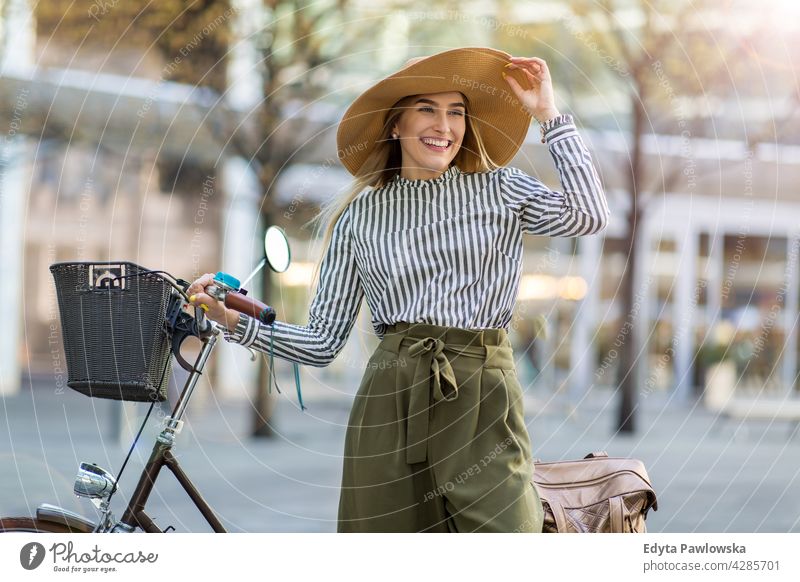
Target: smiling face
{"points": [[430, 129]]}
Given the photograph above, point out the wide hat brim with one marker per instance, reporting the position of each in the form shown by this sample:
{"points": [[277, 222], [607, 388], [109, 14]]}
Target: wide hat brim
{"points": [[476, 72]]}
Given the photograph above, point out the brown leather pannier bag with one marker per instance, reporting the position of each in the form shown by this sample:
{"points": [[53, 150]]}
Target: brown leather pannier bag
{"points": [[597, 494]]}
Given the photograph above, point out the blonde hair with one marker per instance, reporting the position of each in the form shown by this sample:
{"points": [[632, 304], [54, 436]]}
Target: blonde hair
{"points": [[385, 161]]}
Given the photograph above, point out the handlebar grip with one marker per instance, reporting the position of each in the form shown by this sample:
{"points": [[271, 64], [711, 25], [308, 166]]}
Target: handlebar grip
{"points": [[249, 306]]}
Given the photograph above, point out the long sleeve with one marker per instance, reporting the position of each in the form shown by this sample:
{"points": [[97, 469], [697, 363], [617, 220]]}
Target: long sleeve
{"points": [[332, 312], [581, 208]]}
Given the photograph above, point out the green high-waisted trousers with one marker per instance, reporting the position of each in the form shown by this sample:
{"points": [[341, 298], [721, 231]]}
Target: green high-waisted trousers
{"points": [[436, 440]]}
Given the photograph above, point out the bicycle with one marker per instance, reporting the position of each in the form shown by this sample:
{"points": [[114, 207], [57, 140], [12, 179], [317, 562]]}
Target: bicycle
{"points": [[106, 282]]}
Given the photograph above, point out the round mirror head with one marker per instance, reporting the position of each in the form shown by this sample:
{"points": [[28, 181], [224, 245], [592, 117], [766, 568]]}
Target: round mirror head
{"points": [[276, 248]]}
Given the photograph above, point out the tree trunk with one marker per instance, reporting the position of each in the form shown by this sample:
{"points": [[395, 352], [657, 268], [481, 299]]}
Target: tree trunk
{"points": [[265, 402], [626, 420]]}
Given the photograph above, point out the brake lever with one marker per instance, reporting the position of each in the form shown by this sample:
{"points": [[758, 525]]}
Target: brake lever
{"points": [[182, 325], [177, 340]]}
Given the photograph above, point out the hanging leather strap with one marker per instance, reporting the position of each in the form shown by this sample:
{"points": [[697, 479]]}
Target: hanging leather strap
{"points": [[617, 511], [560, 516]]}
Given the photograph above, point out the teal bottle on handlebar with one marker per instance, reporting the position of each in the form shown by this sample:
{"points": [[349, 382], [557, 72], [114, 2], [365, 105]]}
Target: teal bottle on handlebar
{"points": [[227, 288]]}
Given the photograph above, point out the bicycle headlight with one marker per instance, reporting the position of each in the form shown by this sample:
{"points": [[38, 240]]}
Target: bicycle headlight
{"points": [[94, 482]]}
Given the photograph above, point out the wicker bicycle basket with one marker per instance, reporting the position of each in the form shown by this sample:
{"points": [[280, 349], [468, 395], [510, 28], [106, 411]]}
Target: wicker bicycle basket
{"points": [[116, 343]]}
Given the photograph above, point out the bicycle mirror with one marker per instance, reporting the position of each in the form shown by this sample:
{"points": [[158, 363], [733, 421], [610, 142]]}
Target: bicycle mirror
{"points": [[276, 249]]}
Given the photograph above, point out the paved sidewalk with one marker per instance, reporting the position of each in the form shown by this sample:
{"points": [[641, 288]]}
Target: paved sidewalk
{"points": [[733, 477]]}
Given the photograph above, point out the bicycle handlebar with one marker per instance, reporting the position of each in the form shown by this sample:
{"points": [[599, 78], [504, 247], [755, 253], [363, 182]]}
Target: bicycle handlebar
{"points": [[249, 306]]}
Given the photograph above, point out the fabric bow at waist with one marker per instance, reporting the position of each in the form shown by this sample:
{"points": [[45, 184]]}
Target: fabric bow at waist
{"points": [[433, 371]]}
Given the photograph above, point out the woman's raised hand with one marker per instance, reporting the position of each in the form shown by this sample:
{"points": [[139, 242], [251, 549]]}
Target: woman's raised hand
{"points": [[215, 310], [539, 99]]}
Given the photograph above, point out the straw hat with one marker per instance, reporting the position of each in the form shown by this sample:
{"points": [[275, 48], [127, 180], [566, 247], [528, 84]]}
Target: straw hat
{"points": [[476, 72]]}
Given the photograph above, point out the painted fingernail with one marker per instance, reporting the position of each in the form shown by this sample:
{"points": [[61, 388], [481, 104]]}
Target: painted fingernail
{"points": [[204, 307], [192, 298]]}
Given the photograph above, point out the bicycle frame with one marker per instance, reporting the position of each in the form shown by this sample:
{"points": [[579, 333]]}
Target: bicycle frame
{"points": [[135, 515]]}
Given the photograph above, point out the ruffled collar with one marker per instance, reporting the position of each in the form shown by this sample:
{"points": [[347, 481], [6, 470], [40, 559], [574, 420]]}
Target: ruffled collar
{"points": [[446, 176]]}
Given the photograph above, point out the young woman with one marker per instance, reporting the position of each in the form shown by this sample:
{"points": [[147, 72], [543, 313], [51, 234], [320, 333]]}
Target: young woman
{"points": [[431, 235]]}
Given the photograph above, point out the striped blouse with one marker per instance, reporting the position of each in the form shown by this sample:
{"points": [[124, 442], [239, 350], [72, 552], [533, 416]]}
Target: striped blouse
{"points": [[445, 251]]}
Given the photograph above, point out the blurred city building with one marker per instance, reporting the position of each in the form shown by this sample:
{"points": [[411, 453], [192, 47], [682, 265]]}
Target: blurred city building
{"points": [[144, 174]]}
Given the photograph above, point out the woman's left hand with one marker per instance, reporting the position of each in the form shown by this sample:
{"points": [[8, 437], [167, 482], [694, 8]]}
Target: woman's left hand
{"points": [[539, 100]]}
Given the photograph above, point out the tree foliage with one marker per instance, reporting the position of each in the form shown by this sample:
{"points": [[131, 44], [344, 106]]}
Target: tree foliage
{"points": [[141, 38]]}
